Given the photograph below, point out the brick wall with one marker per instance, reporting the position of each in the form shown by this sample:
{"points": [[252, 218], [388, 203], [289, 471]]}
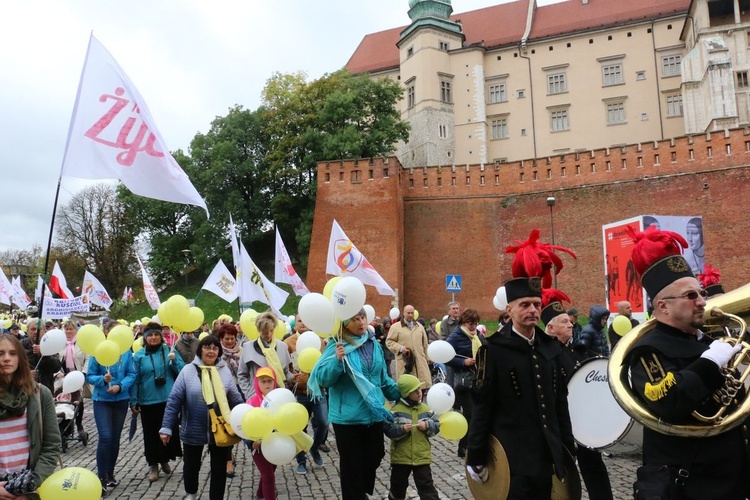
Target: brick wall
{"points": [[462, 227]]}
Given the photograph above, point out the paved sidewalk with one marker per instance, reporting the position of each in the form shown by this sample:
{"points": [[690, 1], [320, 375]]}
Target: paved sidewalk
{"points": [[318, 483]]}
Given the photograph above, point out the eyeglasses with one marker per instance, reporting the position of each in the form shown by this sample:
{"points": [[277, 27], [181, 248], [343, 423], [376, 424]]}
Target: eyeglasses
{"points": [[210, 347], [691, 295]]}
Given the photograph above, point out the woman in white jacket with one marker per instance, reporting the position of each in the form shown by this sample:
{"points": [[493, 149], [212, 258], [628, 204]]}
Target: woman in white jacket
{"points": [[72, 358]]}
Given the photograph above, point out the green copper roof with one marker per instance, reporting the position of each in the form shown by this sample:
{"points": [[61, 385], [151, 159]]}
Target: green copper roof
{"points": [[435, 13]]}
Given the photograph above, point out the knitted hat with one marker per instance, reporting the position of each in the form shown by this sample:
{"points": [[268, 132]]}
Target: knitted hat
{"points": [[657, 258], [265, 372], [408, 384], [710, 280], [552, 304]]}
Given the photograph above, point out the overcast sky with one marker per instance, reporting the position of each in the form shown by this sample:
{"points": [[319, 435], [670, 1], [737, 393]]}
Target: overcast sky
{"points": [[191, 60]]}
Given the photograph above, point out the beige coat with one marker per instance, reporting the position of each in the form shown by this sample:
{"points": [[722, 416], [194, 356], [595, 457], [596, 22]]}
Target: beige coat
{"points": [[414, 339]]}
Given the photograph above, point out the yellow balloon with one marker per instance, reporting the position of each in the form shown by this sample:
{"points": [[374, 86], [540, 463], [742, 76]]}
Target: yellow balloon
{"points": [[257, 423], [121, 335], [166, 314], [8, 323], [107, 353], [307, 359], [203, 335], [328, 289], [416, 314], [24, 328], [89, 337], [75, 483], [621, 325], [137, 345], [280, 330], [145, 320], [335, 331], [453, 425], [193, 321], [291, 418], [247, 323], [181, 306]]}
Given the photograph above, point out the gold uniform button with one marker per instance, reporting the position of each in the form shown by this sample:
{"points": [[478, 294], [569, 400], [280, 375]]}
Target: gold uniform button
{"points": [[538, 376]]}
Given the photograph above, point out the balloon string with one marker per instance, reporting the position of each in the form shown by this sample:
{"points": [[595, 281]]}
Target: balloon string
{"points": [[37, 363]]}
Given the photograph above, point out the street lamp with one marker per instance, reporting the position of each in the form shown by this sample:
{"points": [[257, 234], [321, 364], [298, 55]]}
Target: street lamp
{"points": [[186, 253], [550, 204]]}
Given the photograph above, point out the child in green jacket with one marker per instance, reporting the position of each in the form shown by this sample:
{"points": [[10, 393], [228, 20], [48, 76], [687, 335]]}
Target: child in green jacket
{"points": [[413, 423]]}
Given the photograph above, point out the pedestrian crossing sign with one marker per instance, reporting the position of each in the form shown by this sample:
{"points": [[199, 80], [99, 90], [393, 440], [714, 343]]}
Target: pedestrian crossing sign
{"points": [[453, 283]]}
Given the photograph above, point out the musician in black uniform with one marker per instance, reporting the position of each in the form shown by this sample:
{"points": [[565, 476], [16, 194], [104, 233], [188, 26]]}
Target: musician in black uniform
{"points": [[520, 397], [676, 370], [559, 326]]}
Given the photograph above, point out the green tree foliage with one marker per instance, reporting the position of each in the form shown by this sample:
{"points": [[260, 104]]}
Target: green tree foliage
{"points": [[260, 167]]}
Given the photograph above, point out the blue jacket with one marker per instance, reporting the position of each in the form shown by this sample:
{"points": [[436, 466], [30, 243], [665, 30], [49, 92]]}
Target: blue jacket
{"points": [[122, 373], [462, 345], [147, 368], [345, 403], [593, 341], [187, 398]]}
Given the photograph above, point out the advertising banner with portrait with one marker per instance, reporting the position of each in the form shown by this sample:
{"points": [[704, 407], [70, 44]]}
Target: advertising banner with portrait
{"points": [[621, 281]]}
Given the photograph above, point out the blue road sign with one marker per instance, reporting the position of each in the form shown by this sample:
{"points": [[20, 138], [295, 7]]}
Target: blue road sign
{"points": [[453, 283]]}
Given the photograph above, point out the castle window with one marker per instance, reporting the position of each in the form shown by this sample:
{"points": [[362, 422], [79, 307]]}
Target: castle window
{"points": [[670, 65], [710, 152], [559, 120], [497, 93], [556, 83], [496, 180], [521, 94], [410, 52], [616, 113], [549, 173], [442, 131], [411, 98], [424, 182], [674, 105], [742, 82], [641, 75], [562, 172], [411, 183], [500, 129], [446, 95], [385, 173], [440, 182], [444, 46], [612, 74]]}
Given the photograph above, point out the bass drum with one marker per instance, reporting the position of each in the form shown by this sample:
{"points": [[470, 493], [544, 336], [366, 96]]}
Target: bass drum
{"points": [[598, 421]]}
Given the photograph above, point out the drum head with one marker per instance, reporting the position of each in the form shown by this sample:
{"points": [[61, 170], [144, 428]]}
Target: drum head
{"points": [[597, 419]]}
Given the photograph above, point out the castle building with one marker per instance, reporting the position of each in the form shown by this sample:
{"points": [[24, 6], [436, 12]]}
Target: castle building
{"points": [[520, 81]]}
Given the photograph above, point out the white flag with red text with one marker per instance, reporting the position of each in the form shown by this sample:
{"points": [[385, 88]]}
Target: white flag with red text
{"points": [[6, 289], [113, 136], [20, 297], [58, 283], [345, 260], [284, 272], [148, 289], [95, 290]]}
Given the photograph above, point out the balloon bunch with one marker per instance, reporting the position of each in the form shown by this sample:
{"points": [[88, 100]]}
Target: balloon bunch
{"points": [[279, 424], [107, 351], [177, 314], [440, 398]]}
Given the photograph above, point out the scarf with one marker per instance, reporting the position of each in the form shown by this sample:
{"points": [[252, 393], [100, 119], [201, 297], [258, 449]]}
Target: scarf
{"points": [[213, 389], [371, 394], [70, 354], [12, 402], [232, 357], [475, 342], [272, 358]]}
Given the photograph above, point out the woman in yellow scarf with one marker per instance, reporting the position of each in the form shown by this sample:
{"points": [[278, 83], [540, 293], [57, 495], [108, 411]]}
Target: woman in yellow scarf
{"points": [[264, 351]]}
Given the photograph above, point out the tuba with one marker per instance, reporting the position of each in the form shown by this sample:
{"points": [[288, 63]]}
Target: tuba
{"points": [[731, 307]]}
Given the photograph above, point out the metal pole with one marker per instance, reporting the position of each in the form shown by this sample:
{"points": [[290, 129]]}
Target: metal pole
{"points": [[552, 226]]}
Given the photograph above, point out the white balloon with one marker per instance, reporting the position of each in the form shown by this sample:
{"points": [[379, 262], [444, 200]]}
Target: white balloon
{"points": [[347, 298], [394, 313], [440, 398], [445, 317], [497, 304], [155, 318], [502, 298], [235, 418], [73, 382], [370, 311], [440, 351], [278, 448], [316, 312], [371, 329], [277, 397], [53, 342], [308, 339]]}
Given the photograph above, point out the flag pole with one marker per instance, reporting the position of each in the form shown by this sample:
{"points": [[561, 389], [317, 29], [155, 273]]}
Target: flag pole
{"points": [[59, 179]]}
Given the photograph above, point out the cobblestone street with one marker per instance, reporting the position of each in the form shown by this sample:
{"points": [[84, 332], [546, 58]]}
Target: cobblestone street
{"points": [[319, 482]]}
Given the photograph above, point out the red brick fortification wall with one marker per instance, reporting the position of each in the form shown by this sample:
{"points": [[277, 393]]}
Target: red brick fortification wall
{"points": [[365, 197], [458, 220]]}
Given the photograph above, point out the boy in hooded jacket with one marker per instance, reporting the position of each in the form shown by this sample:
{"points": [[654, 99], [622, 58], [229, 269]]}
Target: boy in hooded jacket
{"points": [[413, 424]]}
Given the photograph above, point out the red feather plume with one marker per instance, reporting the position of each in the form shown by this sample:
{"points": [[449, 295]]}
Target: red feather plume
{"points": [[550, 295], [535, 259], [711, 276], [654, 244]]}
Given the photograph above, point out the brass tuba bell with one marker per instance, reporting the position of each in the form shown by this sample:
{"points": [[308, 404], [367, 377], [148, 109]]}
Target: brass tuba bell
{"points": [[733, 306]]}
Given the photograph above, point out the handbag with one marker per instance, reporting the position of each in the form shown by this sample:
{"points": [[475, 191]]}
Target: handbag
{"points": [[221, 430], [463, 380]]}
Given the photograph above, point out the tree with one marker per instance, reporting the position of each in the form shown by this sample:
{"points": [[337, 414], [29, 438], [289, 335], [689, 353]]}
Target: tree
{"points": [[93, 228]]}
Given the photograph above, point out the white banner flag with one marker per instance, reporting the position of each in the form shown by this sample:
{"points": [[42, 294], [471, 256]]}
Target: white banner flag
{"points": [[125, 295], [345, 260], [284, 272], [39, 286], [95, 291], [113, 136], [6, 289], [19, 295], [63, 308], [148, 289], [255, 286], [221, 282]]}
